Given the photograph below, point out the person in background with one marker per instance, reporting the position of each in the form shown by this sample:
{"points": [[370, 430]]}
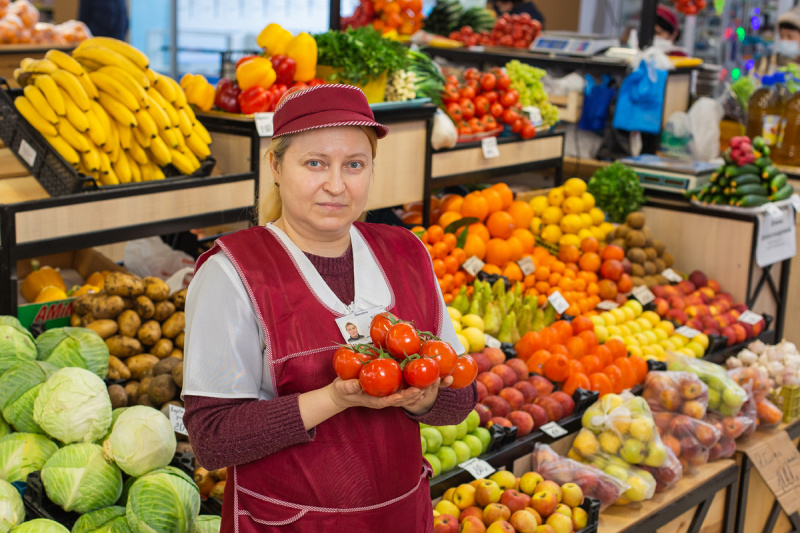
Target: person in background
{"points": [[517, 7], [105, 18], [787, 48], [667, 31]]}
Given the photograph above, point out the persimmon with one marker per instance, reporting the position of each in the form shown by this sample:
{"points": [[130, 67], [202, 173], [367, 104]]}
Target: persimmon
{"points": [[582, 323], [574, 382], [556, 368]]}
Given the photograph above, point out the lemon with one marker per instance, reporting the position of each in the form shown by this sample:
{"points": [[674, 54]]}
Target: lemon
{"points": [[620, 315], [539, 204], [556, 196], [598, 217], [572, 205], [574, 187], [454, 313], [660, 334], [456, 325], [648, 350], [652, 338], [601, 332], [571, 224], [588, 201], [606, 227], [633, 327], [614, 331], [630, 340], [598, 233], [464, 342], [678, 340], [668, 346], [536, 226], [586, 219], [660, 352], [472, 321], [552, 215], [634, 351], [625, 330], [608, 318], [635, 306], [551, 233], [702, 340], [568, 239], [584, 234], [474, 336], [597, 320], [652, 317]]}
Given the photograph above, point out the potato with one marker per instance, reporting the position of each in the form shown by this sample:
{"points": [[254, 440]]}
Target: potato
{"points": [[119, 398], [107, 306], [139, 364], [162, 348], [144, 307], [143, 399], [177, 353], [155, 288], [87, 319], [118, 367], [162, 389], [112, 374], [165, 366], [220, 474], [183, 447], [129, 323], [104, 327], [132, 389], [179, 299], [127, 303], [144, 384], [179, 340], [75, 320], [123, 346], [122, 284], [177, 374], [174, 325], [163, 310], [149, 333], [83, 303], [218, 491]]}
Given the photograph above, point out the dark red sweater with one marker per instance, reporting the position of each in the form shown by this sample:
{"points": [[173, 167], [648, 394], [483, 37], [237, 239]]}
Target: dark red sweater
{"points": [[228, 432]]}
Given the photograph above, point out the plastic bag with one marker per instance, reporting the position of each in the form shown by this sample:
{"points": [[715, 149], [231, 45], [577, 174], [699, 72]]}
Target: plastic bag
{"points": [[730, 428], [667, 476], [640, 102], [704, 118], [11, 30], [152, 257], [73, 31], [445, 134], [677, 392], [46, 33], [676, 137], [724, 394], [572, 82], [594, 482], [688, 438], [26, 11], [596, 102], [757, 377]]}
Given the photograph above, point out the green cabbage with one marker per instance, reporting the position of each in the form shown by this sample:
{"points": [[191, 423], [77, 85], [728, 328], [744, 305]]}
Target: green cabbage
{"points": [[141, 440], [12, 510], [114, 415], [19, 386], [73, 405], [163, 501], [105, 520], [40, 525], [23, 453], [78, 347], [16, 343], [126, 488], [78, 478], [5, 429], [207, 523]]}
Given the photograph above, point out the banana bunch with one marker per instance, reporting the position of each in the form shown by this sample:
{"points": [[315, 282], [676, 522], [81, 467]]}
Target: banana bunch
{"points": [[109, 115]]}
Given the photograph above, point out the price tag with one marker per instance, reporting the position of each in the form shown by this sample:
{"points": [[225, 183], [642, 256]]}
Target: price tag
{"points": [[795, 201], [176, 419], [687, 332], [553, 429], [527, 266], [607, 305], [672, 276], [27, 153], [476, 48], [264, 124], [534, 115], [491, 342], [773, 211], [643, 294], [776, 237], [478, 468], [473, 265], [749, 317], [489, 147], [559, 302]]}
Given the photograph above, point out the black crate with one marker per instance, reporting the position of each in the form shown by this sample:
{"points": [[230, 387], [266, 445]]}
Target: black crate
{"points": [[592, 508], [38, 505]]}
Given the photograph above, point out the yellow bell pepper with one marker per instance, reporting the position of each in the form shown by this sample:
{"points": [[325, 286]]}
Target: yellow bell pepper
{"points": [[303, 49], [40, 278], [187, 79], [50, 294], [255, 72], [84, 289], [274, 39], [199, 92]]}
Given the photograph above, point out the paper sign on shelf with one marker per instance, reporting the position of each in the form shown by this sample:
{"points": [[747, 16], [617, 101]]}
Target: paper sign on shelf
{"points": [[749, 317], [26, 152], [553, 429], [473, 265], [777, 460], [776, 238], [773, 211], [264, 125], [491, 342], [176, 419], [643, 294], [478, 468], [558, 301], [534, 115], [526, 266], [687, 332], [795, 201], [672, 276], [489, 147], [607, 305]]}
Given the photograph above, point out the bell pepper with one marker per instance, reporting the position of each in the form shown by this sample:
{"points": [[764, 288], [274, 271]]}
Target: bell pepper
{"points": [[40, 278], [256, 99], [245, 58], [227, 95], [50, 294], [257, 71], [199, 92], [285, 68], [303, 49], [274, 39]]}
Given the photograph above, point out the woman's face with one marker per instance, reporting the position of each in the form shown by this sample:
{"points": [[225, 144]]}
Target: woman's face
{"points": [[664, 34], [352, 331], [324, 179]]}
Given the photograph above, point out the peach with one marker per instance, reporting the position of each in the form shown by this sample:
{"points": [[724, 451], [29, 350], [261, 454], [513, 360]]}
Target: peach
{"points": [[523, 421], [659, 292], [492, 382], [687, 286], [518, 366], [538, 414], [482, 391], [528, 391], [551, 406], [513, 396], [495, 355], [515, 500], [676, 302], [566, 402], [730, 333], [501, 421], [543, 385], [523, 522], [505, 372], [484, 413], [714, 285], [494, 512], [677, 315], [741, 333], [498, 405], [662, 306], [484, 365]]}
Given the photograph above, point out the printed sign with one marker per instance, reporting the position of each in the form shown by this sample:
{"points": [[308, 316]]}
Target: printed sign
{"points": [[264, 125], [176, 419], [473, 265], [687, 332], [27, 153], [643, 294], [526, 266], [776, 238], [749, 317], [489, 147], [559, 302], [478, 468], [553, 429]]}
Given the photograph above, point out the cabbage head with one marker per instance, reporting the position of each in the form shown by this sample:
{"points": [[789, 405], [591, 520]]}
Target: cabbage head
{"points": [[23, 453], [126, 488], [19, 387], [163, 501], [73, 406], [12, 510], [78, 478], [207, 523], [5, 429], [40, 525], [16, 343], [105, 520], [78, 347], [141, 440]]}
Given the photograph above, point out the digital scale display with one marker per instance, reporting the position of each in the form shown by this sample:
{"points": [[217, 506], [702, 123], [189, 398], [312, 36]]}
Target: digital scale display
{"points": [[576, 44]]}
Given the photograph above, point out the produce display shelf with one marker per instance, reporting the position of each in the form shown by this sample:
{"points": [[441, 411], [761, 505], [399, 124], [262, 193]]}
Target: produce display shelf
{"points": [[12, 54], [720, 356], [38, 505]]}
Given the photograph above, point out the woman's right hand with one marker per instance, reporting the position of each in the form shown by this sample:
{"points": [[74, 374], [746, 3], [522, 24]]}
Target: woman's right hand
{"points": [[348, 393]]}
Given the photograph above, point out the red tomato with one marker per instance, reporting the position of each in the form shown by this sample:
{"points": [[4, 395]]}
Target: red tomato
{"points": [[421, 373], [509, 116], [492, 96], [472, 74], [347, 363], [451, 80], [454, 110], [402, 340], [476, 124], [381, 377], [465, 130], [528, 131], [509, 98], [464, 373], [488, 81], [490, 122], [496, 110], [467, 109], [379, 327], [443, 353], [450, 94], [467, 30], [504, 82], [467, 92], [481, 106], [506, 40], [521, 43], [516, 126], [524, 17]]}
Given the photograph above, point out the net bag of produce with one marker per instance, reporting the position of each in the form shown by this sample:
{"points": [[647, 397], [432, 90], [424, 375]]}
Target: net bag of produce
{"points": [[730, 428], [667, 476], [769, 415], [690, 439], [724, 395], [677, 392]]}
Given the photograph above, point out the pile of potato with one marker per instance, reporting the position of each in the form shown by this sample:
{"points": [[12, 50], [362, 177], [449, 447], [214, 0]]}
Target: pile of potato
{"points": [[142, 325]]}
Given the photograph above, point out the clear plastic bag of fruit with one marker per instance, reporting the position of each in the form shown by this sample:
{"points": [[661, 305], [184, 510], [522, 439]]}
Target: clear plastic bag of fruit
{"points": [[73, 31], [749, 411], [11, 29], [667, 476], [677, 392], [758, 377], [45, 33], [688, 438], [593, 481], [724, 395], [26, 11], [730, 429]]}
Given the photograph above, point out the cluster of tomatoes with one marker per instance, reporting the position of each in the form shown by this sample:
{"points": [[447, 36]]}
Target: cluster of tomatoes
{"points": [[401, 355], [516, 31], [689, 7], [484, 102]]}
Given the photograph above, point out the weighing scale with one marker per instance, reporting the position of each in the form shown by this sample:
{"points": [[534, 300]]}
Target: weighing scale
{"points": [[671, 175], [567, 43]]}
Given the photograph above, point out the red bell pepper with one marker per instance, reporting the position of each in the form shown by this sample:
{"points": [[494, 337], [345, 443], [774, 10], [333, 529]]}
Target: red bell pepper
{"points": [[227, 95], [255, 100], [285, 68]]}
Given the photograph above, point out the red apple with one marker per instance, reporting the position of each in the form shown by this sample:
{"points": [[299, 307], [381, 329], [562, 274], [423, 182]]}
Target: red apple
{"points": [[670, 399], [707, 435], [549, 486], [514, 500], [494, 512], [445, 523], [484, 413], [473, 511], [472, 524], [544, 503]]}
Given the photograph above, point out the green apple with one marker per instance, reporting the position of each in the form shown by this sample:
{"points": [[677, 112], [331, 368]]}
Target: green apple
{"points": [[731, 396], [473, 421], [433, 439], [728, 410], [461, 429], [484, 436], [656, 455], [716, 383], [617, 472], [593, 417], [462, 449], [447, 456], [435, 463], [448, 434], [632, 451], [475, 445], [713, 399], [424, 444], [642, 429]]}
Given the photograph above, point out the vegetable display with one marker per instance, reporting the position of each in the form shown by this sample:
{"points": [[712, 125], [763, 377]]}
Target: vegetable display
{"points": [[16, 343], [19, 386], [23, 453], [110, 519], [12, 511], [527, 81], [359, 55], [617, 191], [141, 440], [78, 347], [165, 499], [78, 478], [41, 525]]}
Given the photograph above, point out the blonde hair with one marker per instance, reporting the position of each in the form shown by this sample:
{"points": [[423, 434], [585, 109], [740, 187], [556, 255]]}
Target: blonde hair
{"points": [[270, 205]]}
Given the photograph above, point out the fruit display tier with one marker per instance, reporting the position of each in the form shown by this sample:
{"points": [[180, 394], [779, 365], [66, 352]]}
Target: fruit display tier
{"points": [[12, 54]]}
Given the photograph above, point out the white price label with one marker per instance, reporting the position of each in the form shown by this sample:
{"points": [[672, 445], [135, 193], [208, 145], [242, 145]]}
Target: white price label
{"points": [[264, 125], [773, 211], [534, 115], [795, 201], [558, 301], [472, 265], [489, 147], [749, 317], [672, 276], [491, 342], [643, 294], [607, 305], [27, 153], [176, 419], [476, 48], [776, 237], [553, 429], [527, 266], [687, 332], [478, 468]]}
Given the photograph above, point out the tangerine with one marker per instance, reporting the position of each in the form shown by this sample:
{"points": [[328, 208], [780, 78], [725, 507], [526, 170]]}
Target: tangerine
{"points": [[542, 273], [493, 201], [440, 250], [590, 262], [563, 329], [529, 343], [475, 205], [591, 363], [582, 323], [515, 248], [599, 382], [451, 203], [556, 368], [617, 348], [576, 347], [435, 233], [500, 224], [639, 367], [569, 253], [614, 375], [498, 252], [492, 269], [537, 360], [448, 217], [590, 244], [450, 240], [526, 238], [604, 355], [513, 272], [506, 194], [475, 246], [479, 230], [522, 213], [612, 251], [451, 264], [607, 289]]}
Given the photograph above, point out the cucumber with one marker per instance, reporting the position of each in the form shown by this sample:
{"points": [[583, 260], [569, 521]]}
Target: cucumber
{"points": [[770, 172], [746, 169], [744, 179], [783, 193], [763, 162], [719, 199], [759, 143], [752, 200], [723, 182], [778, 181], [692, 193], [751, 188], [714, 177]]}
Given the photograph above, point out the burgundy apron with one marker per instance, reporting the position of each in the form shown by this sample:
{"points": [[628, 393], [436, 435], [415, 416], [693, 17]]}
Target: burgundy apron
{"points": [[364, 470]]}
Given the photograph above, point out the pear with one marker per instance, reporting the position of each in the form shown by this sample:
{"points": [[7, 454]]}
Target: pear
{"points": [[492, 319], [525, 320], [476, 306], [461, 301], [549, 314], [538, 320], [499, 289], [509, 323]]}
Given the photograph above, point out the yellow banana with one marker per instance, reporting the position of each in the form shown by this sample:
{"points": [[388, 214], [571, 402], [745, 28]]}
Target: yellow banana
{"points": [[181, 143], [128, 82], [155, 172], [91, 159], [75, 115], [185, 124], [75, 139], [117, 109], [170, 138], [88, 86], [102, 116], [73, 87], [123, 170], [38, 66], [191, 157], [104, 56], [190, 113], [97, 133], [65, 61], [151, 75], [146, 171], [125, 134], [62, 147], [141, 138], [138, 154], [39, 102], [159, 151], [136, 171], [48, 86], [201, 130], [146, 123], [112, 147], [105, 162], [113, 87], [156, 111], [180, 97], [24, 78], [121, 47], [197, 146], [182, 163], [109, 178], [89, 65], [26, 109], [164, 87]]}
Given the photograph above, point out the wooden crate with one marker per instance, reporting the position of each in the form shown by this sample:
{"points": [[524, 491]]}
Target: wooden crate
{"points": [[569, 107]]}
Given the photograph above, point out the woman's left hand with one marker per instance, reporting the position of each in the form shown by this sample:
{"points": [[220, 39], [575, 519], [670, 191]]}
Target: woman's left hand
{"points": [[420, 401]]}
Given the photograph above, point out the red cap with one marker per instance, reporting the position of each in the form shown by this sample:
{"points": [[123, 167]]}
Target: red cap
{"points": [[669, 16], [324, 106]]}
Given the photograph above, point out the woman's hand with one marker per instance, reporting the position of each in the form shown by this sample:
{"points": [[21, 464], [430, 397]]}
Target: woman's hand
{"points": [[348, 393]]}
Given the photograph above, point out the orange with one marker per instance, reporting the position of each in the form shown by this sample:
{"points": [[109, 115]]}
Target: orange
{"points": [[579, 285], [590, 262], [492, 269], [582, 323], [556, 368], [522, 213], [589, 244], [607, 289], [575, 367], [558, 267], [440, 250], [548, 336], [537, 360], [475, 246], [591, 363], [418, 229], [627, 371], [592, 289], [451, 264], [599, 382], [542, 287], [447, 218], [563, 329], [576, 347], [497, 252], [493, 201], [540, 252], [569, 253], [574, 382], [439, 268], [541, 300], [639, 367], [459, 254], [515, 248], [529, 343], [450, 240], [526, 238], [555, 277], [435, 233], [475, 205], [506, 195], [616, 347], [411, 217], [565, 285], [614, 375], [448, 298], [479, 230], [612, 251], [459, 278], [451, 203], [588, 276], [529, 281], [500, 224], [569, 273], [589, 340], [513, 272], [604, 355]]}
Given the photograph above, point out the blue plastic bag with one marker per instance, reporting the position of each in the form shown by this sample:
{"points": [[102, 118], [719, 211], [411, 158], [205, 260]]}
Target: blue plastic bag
{"points": [[640, 103], [596, 101]]}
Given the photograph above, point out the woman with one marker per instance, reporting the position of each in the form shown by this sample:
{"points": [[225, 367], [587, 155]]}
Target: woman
{"points": [[666, 32], [305, 450], [354, 335], [787, 47]]}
